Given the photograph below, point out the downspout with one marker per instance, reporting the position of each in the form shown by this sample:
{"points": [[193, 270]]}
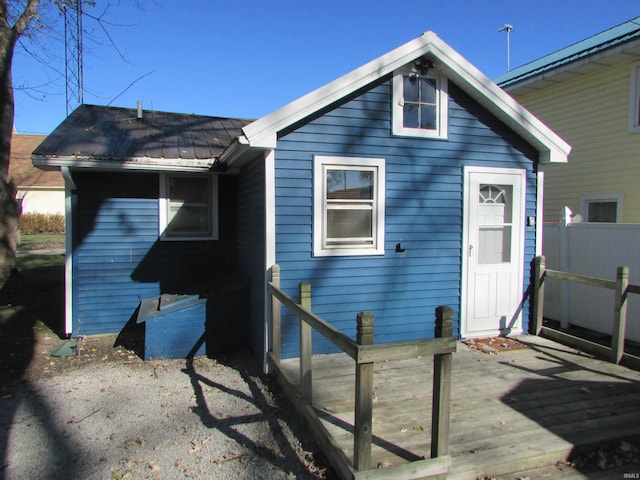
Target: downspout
{"points": [[69, 197]]}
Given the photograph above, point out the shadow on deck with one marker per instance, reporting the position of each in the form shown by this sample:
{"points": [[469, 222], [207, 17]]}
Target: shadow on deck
{"points": [[509, 412]]}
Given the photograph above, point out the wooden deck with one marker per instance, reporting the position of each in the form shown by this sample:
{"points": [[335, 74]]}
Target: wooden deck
{"points": [[509, 412]]}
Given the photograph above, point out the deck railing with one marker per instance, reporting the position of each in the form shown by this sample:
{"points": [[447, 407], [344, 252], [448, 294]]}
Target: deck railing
{"points": [[621, 287], [365, 354]]}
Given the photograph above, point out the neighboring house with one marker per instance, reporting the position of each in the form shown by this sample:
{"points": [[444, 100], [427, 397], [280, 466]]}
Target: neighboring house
{"points": [[406, 184], [589, 93], [38, 191]]}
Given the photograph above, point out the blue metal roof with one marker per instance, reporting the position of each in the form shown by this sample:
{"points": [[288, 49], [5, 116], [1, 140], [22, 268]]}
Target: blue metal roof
{"points": [[598, 43]]}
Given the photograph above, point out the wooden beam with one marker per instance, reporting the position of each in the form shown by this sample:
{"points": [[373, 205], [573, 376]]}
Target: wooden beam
{"points": [[405, 350], [441, 406], [537, 295], [331, 333], [276, 349], [364, 397], [619, 314], [583, 279], [306, 351]]}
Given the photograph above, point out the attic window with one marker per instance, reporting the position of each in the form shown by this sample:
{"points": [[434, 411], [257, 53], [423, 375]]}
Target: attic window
{"points": [[420, 101], [188, 207]]}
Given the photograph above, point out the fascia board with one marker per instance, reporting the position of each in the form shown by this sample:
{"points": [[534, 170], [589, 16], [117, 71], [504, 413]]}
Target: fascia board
{"points": [[263, 132], [140, 163]]}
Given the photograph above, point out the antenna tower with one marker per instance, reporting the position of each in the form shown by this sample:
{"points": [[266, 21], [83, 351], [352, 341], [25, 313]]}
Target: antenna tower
{"points": [[72, 11], [507, 28]]}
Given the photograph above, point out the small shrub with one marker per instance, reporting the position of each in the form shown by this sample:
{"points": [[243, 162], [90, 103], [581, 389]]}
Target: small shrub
{"points": [[38, 223]]}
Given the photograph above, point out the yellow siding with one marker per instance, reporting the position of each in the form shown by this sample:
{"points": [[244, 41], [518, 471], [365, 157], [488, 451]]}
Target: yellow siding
{"points": [[591, 112]]}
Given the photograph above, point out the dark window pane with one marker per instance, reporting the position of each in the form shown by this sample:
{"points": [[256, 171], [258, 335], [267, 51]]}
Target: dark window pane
{"points": [[427, 90], [410, 91], [602, 212], [189, 189], [189, 220], [428, 117], [350, 184], [349, 223], [411, 116]]}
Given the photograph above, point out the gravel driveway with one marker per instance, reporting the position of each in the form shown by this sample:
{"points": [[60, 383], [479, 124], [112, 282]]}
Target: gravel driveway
{"points": [[165, 419]]}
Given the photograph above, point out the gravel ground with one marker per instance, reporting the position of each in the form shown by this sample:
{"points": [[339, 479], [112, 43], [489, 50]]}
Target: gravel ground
{"points": [[163, 419]]}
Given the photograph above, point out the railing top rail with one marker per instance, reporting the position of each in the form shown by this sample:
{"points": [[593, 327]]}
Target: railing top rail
{"points": [[331, 333], [583, 279], [366, 353]]}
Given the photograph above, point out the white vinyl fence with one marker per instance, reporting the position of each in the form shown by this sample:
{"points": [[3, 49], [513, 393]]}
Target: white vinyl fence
{"points": [[595, 250]]}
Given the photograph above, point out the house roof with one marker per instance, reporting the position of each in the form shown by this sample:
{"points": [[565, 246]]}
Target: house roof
{"points": [[263, 132], [23, 173], [114, 138], [603, 49]]}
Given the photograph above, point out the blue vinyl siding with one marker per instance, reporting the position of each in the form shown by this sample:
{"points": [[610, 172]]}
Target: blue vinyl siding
{"points": [[251, 248], [424, 183], [118, 259]]}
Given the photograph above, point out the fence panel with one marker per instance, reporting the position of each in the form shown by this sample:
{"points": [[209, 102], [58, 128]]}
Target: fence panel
{"points": [[596, 250]]}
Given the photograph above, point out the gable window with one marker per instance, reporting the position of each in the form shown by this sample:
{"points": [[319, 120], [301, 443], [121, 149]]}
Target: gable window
{"points": [[420, 104], [348, 206], [601, 208], [188, 207], [634, 123]]}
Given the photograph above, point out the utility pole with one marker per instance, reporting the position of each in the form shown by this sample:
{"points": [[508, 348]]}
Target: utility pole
{"points": [[507, 28]]}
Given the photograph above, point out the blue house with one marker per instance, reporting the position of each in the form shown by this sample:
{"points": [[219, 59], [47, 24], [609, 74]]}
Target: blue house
{"points": [[409, 183]]}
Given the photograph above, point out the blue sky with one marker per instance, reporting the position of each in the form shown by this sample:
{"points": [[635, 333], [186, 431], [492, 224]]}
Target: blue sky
{"points": [[246, 58]]}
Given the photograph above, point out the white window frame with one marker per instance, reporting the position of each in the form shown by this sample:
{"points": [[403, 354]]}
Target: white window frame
{"points": [[586, 200], [634, 102], [164, 203], [442, 106], [321, 247]]}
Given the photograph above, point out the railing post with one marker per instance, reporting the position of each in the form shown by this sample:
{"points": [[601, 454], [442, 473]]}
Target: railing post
{"points": [[276, 342], [441, 406], [305, 345], [619, 314], [364, 397], [537, 296]]}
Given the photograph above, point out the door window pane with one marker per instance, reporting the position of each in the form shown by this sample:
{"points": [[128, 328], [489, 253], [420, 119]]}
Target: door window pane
{"points": [[494, 222]]}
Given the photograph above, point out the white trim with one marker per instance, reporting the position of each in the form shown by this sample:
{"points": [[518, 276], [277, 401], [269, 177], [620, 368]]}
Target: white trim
{"points": [[263, 132], [163, 208], [320, 163], [540, 214], [585, 200], [464, 284], [442, 107], [141, 163], [270, 247], [68, 253], [634, 101]]}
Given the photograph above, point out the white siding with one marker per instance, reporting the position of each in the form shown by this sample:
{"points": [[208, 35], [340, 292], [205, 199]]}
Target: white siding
{"points": [[591, 112]]}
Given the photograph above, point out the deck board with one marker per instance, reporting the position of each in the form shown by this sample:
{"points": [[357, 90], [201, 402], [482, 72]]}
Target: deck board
{"points": [[515, 410]]}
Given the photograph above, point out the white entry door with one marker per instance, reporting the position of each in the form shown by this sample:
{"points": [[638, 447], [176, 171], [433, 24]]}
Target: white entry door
{"points": [[493, 251]]}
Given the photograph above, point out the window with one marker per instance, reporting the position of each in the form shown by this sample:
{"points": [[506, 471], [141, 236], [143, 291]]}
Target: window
{"points": [[348, 206], [188, 207], [419, 104], [634, 119], [601, 208]]}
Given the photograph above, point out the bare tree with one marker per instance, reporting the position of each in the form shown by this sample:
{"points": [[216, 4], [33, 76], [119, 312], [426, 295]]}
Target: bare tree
{"points": [[14, 21]]}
